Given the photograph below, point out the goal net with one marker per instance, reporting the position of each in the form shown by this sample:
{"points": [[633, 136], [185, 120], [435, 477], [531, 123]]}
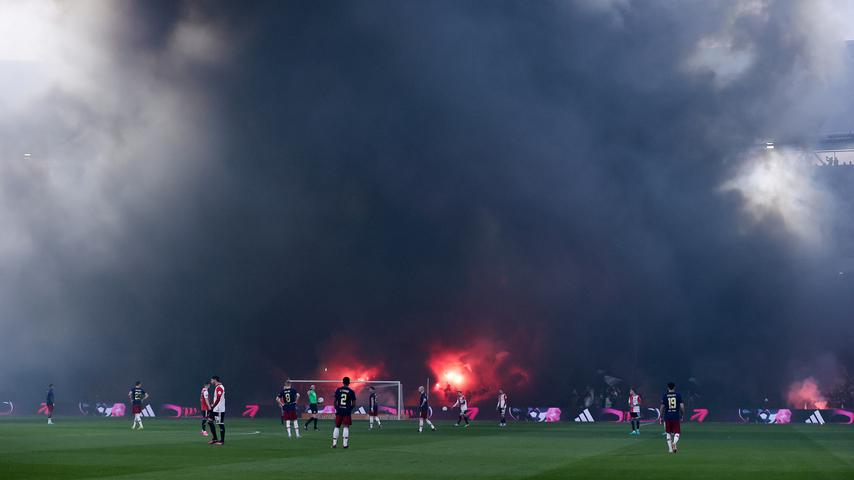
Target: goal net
{"points": [[389, 397]]}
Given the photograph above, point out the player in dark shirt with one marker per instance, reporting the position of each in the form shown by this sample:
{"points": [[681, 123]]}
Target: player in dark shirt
{"points": [[137, 395], [672, 411], [287, 399], [424, 411], [345, 399], [373, 408], [48, 403]]}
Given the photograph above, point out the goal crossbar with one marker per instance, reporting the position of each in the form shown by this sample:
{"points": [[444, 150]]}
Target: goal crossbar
{"points": [[378, 382]]}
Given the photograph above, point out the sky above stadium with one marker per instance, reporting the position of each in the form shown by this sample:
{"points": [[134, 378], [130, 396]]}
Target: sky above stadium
{"points": [[527, 194]]}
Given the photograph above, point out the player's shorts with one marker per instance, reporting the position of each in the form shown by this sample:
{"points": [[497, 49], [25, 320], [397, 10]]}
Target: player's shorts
{"points": [[635, 415], [289, 414], [49, 408], [502, 411], [425, 413], [374, 412], [345, 420], [218, 417], [136, 409], [312, 407], [672, 426]]}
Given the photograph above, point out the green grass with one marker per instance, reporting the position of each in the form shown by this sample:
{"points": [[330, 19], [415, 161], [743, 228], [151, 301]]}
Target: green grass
{"points": [[166, 449]]}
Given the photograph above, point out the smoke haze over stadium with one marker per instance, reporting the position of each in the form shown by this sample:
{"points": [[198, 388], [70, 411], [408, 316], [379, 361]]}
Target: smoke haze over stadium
{"points": [[542, 190]]}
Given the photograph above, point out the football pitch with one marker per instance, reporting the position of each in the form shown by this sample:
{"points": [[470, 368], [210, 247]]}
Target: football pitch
{"points": [[107, 448]]}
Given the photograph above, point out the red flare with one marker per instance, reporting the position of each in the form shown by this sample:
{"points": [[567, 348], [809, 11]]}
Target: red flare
{"points": [[806, 394], [479, 370]]}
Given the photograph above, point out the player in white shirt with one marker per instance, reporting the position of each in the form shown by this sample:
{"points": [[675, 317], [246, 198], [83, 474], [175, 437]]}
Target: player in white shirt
{"points": [[218, 411], [634, 411], [205, 404], [502, 408], [464, 408]]}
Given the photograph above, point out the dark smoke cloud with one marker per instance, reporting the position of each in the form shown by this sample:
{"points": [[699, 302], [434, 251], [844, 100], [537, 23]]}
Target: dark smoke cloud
{"points": [[564, 179]]}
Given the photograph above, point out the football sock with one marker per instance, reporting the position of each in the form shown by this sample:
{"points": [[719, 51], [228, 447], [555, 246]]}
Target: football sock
{"points": [[420, 424], [296, 427], [213, 430], [288, 427], [204, 424], [675, 439], [379, 423], [431, 424], [371, 421], [346, 436], [669, 443], [335, 436], [221, 432]]}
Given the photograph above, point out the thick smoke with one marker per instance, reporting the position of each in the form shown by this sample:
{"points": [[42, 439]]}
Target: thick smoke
{"points": [[262, 191]]}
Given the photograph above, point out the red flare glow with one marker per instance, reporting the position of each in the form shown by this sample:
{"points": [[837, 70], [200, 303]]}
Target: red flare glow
{"points": [[341, 365], [806, 394], [479, 370]]}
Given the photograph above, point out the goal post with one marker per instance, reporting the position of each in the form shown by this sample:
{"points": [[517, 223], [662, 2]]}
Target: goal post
{"points": [[389, 396]]}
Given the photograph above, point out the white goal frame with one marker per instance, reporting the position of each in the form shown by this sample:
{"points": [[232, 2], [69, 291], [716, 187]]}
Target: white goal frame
{"points": [[367, 382]]}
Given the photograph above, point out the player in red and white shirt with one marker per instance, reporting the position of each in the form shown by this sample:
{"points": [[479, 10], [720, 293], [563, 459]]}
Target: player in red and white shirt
{"points": [[634, 411], [464, 409], [217, 412], [205, 405], [502, 408]]}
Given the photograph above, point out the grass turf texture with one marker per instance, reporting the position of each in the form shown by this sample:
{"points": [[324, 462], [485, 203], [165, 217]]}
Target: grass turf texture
{"points": [[166, 449]]}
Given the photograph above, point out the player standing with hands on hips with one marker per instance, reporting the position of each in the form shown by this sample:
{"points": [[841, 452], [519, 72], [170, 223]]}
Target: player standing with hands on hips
{"points": [[137, 395], [287, 399], [672, 410]]}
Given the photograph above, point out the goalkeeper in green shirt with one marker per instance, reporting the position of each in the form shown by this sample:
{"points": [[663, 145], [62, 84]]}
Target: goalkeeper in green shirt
{"points": [[312, 407]]}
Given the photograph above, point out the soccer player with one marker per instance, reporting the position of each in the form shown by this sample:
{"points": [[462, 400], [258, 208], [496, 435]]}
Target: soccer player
{"points": [[217, 412], [287, 399], [137, 395], [634, 411], [501, 406], [461, 402], [205, 403], [424, 409], [312, 407], [373, 409], [345, 399], [48, 403], [672, 410]]}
